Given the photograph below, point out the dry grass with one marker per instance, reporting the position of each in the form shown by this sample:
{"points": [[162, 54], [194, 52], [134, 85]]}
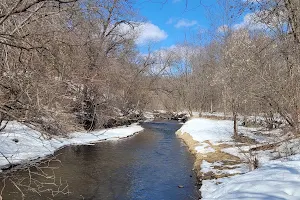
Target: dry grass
{"points": [[217, 156]]}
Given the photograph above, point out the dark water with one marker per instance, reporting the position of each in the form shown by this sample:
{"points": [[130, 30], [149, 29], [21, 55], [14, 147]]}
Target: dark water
{"points": [[148, 166]]}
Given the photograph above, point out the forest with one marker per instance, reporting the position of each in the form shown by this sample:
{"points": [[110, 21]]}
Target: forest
{"points": [[69, 66], [73, 64]]}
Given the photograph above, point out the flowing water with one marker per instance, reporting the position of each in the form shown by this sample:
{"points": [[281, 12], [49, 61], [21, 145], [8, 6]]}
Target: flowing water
{"points": [[152, 165]]}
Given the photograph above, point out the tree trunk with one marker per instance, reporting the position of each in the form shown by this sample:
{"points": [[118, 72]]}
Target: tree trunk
{"points": [[224, 102], [235, 129], [234, 112], [293, 7]]}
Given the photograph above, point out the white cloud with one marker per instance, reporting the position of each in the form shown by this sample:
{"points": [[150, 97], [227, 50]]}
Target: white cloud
{"points": [[148, 32], [251, 21], [223, 29], [170, 21], [176, 1], [260, 20], [185, 23], [143, 32], [167, 60]]}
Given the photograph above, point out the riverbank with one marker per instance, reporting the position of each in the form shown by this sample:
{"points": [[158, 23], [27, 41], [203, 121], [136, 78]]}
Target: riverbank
{"points": [[224, 165], [20, 144], [151, 165]]}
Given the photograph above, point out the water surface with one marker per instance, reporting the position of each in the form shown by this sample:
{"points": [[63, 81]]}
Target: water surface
{"points": [[148, 166]]}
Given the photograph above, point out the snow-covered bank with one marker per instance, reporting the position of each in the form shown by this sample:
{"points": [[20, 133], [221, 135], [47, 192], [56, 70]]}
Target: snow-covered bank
{"points": [[204, 133], [20, 144], [205, 129], [276, 180], [223, 163]]}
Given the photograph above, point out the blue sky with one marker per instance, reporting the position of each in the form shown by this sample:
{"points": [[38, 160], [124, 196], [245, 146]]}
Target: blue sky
{"points": [[170, 22], [174, 21]]}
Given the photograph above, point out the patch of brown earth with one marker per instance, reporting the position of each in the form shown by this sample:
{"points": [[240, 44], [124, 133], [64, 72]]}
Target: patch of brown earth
{"points": [[265, 147], [210, 175], [217, 156], [225, 167], [244, 139]]}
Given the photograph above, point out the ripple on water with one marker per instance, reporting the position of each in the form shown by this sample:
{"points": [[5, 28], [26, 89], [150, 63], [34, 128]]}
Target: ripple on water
{"points": [[149, 165]]}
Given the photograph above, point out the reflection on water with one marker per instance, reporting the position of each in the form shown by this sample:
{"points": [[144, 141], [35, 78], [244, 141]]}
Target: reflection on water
{"points": [[147, 166]]}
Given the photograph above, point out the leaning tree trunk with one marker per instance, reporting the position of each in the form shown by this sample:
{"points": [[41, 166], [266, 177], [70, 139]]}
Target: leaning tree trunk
{"points": [[3, 122]]}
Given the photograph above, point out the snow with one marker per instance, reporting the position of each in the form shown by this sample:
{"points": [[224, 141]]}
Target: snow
{"points": [[236, 169], [215, 114], [290, 147], [273, 179], [32, 145], [276, 180], [236, 151], [206, 167], [149, 115], [214, 131], [205, 148]]}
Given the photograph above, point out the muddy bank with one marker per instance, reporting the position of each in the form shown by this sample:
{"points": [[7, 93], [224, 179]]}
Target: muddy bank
{"points": [[243, 166], [217, 156], [191, 144]]}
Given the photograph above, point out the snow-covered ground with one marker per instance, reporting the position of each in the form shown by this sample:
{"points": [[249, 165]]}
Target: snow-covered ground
{"points": [[214, 131], [20, 144], [274, 179]]}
